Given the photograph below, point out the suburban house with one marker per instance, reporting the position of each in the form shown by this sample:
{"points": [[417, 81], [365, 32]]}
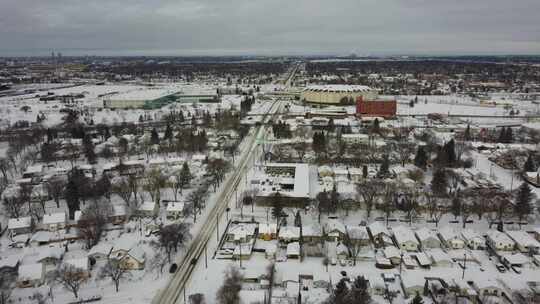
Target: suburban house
{"points": [[428, 238], [30, 275], [499, 241], [241, 232], [524, 241], [118, 214], [80, 265], [289, 234], [405, 238], [393, 254], [54, 221], [175, 210], [439, 257], [267, 231], [473, 240], [293, 250], [133, 259], [412, 284], [312, 233], [9, 264], [147, 209], [358, 235], [20, 225], [50, 255], [450, 238], [380, 235], [515, 259], [488, 287], [334, 230], [100, 251]]}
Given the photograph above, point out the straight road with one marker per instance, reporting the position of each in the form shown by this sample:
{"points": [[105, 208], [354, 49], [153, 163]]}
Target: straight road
{"points": [[173, 290]]}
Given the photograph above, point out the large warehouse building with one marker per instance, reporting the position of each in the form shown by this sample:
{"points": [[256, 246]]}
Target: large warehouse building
{"points": [[154, 99], [336, 94]]}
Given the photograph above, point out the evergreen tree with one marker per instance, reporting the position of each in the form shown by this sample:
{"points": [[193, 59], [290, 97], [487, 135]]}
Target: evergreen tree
{"points": [[439, 183], [509, 135], [524, 196], [450, 151], [340, 292], [364, 171], [385, 167], [168, 133], [376, 127], [154, 137], [417, 299], [502, 135], [529, 166], [277, 207], [334, 199], [359, 293], [420, 160]]}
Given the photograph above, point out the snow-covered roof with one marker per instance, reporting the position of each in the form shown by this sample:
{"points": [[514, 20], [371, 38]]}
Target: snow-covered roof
{"points": [[524, 239], [425, 234], [101, 248], [312, 230], [471, 235], [267, 228], [357, 232], [338, 88], [404, 234], [334, 225], [22, 222], [147, 206], [377, 228], [175, 207], [293, 248], [50, 252], [9, 261], [438, 255], [449, 234], [54, 218], [79, 263], [144, 94], [392, 252], [289, 232], [241, 230], [137, 253], [34, 169], [30, 272], [515, 258], [499, 237]]}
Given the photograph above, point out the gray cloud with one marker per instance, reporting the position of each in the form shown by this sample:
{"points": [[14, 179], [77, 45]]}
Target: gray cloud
{"points": [[178, 27]]}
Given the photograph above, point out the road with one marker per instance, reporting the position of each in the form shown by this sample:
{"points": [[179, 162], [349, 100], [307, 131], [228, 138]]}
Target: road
{"points": [[173, 291]]}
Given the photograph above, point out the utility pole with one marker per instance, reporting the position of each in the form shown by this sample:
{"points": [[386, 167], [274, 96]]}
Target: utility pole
{"points": [[464, 261], [205, 256], [217, 229], [400, 262]]}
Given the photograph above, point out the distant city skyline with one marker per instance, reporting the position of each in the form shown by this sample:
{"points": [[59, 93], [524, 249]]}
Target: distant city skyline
{"points": [[259, 27]]}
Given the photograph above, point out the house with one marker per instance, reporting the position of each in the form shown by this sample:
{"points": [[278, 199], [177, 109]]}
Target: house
{"points": [[450, 238], [289, 234], [473, 240], [312, 234], [241, 232], [499, 241], [33, 171], [9, 264], [242, 251], [267, 231], [20, 225], [393, 254], [515, 260], [100, 251], [270, 250], [293, 250], [412, 283], [132, 259], [358, 235], [439, 257], [54, 221], [30, 275], [380, 235], [81, 266], [405, 238], [334, 230], [428, 238], [50, 256], [147, 209], [118, 214], [488, 286], [524, 241], [175, 210], [423, 259]]}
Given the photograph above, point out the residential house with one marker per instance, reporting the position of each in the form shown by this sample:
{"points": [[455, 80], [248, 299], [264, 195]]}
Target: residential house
{"points": [[81, 266], [54, 221], [312, 233], [100, 251], [241, 232], [473, 240], [412, 283], [267, 231], [50, 256], [148, 209], [380, 235], [488, 286], [450, 238], [20, 225], [499, 241], [175, 210], [334, 230], [405, 238], [9, 264], [358, 235], [515, 259], [524, 241], [293, 250], [393, 254], [30, 275], [289, 234], [428, 238], [118, 214], [132, 259], [439, 257]]}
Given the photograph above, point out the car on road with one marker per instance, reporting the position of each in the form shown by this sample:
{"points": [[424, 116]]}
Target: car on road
{"points": [[501, 268]]}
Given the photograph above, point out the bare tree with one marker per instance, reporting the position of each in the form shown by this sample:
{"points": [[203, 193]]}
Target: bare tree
{"points": [[14, 205], [369, 190], [229, 292], [114, 270], [92, 221], [173, 236], [70, 277], [121, 187], [405, 150], [154, 182], [196, 200], [55, 187], [353, 244], [159, 260], [388, 205], [7, 282]]}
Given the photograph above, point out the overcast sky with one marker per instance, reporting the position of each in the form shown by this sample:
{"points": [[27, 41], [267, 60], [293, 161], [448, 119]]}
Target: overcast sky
{"points": [[269, 27]]}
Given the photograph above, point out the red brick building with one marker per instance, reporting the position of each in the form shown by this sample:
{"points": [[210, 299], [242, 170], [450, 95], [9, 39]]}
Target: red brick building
{"points": [[378, 108]]}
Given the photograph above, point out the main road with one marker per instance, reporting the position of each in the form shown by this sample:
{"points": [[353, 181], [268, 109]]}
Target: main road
{"points": [[171, 293]]}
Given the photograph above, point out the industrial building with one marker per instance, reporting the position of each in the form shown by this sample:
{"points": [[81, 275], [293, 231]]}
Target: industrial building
{"points": [[154, 99], [288, 180], [385, 108], [336, 94]]}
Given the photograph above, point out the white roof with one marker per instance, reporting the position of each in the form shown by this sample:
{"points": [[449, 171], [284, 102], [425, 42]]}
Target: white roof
{"points": [[79, 263], [449, 234], [242, 230], [404, 234], [333, 225], [312, 230], [101, 248], [357, 232], [499, 237], [338, 88], [516, 258], [147, 206], [392, 252], [377, 228], [34, 169], [438, 255], [54, 218], [22, 222], [175, 207], [30, 272], [289, 232], [471, 235], [50, 252], [425, 234], [9, 261], [143, 94], [522, 238], [293, 248], [267, 228]]}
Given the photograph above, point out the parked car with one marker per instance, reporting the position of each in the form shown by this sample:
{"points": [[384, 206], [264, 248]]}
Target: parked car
{"points": [[501, 268]]}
